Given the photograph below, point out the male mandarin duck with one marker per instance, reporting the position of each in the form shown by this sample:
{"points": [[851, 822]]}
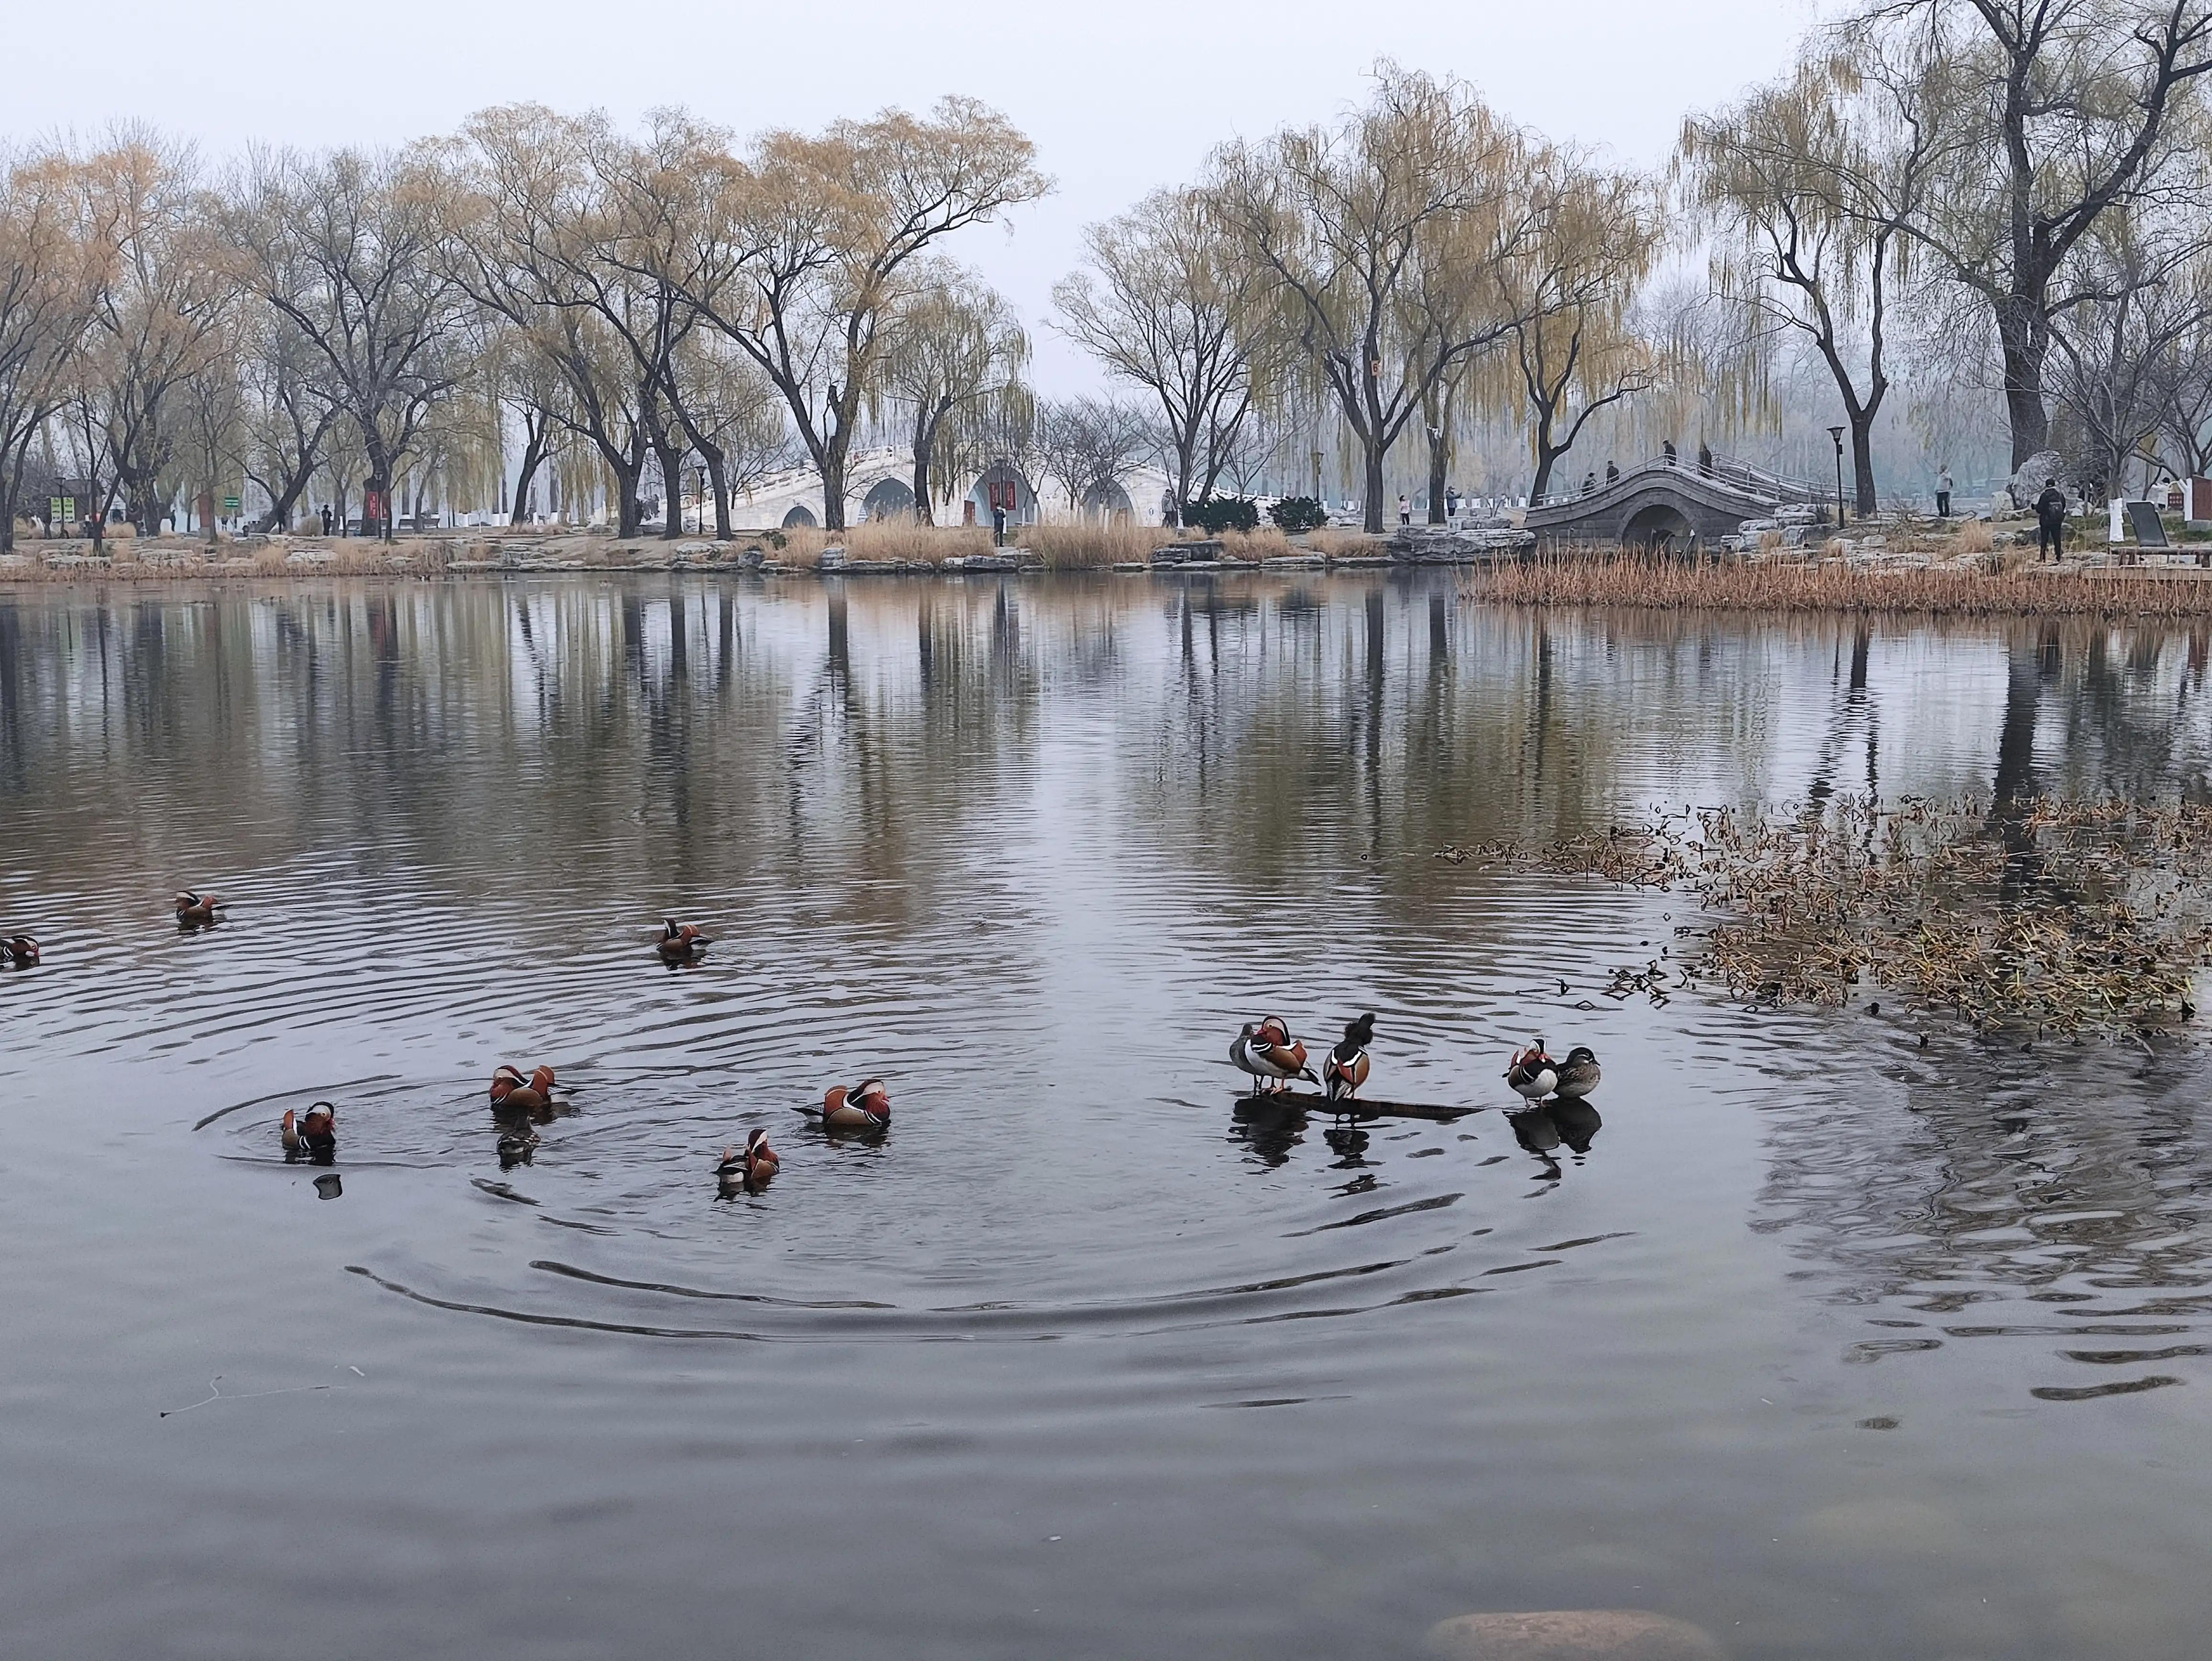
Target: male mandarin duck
{"points": [[1344, 1069], [680, 941], [20, 950], [1578, 1074], [1533, 1073], [315, 1131], [510, 1089], [1269, 1053], [751, 1169], [194, 908], [863, 1106]]}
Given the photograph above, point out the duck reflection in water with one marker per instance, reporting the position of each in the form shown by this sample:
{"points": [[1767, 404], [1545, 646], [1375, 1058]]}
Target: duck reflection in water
{"points": [[516, 1145], [1269, 1129], [330, 1186], [1545, 1129]]}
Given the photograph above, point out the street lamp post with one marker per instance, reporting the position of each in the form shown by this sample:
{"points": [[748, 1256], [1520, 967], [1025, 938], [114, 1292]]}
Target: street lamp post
{"points": [[1316, 455], [1836, 433]]}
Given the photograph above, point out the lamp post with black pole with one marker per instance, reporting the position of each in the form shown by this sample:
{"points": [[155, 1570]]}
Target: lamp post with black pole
{"points": [[1836, 433]]}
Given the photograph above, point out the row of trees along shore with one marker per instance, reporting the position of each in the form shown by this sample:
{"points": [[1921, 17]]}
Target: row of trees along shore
{"points": [[2003, 207]]}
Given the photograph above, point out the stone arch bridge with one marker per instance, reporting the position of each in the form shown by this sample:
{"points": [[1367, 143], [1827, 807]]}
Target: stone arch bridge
{"points": [[1674, 506]]}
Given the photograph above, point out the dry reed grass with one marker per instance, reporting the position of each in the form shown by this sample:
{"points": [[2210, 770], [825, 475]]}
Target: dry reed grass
{"points": [[1661, 582], [1974, 536], [1089, 545], [1337, 542], [2063, 916]]}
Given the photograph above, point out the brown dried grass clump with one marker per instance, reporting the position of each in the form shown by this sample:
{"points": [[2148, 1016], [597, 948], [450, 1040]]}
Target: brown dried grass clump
{"points": [[1630, 579], [1266, 543], [1091, 545], [1974, 536], [2061, 916], [1337, 542], [897, 538]]}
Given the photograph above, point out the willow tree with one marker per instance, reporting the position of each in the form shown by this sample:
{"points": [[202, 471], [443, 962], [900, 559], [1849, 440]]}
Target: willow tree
{"points": [[2042, 118], [163, 316], [51, 269], [807, 243], [1377, 239], [1169, 303], [954, 346], [1813, 185], [1575, 350], [348, 247]]}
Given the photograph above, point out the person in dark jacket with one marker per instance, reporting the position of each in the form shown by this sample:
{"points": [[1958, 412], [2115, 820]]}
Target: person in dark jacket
{"points": [[2050, 520]]}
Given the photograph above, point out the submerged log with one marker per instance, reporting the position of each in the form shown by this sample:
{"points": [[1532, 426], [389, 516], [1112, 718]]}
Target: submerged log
{"points": [[1364, 1107]]}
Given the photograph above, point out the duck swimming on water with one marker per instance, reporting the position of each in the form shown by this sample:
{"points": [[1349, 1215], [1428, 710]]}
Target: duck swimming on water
{"points": [[1270, 1054], [315, 1131], [195, 909], [1533, 1073], [1344, 1069], [752, 1169], [863, 1106], [680, 941], [510, 1089], [20, 950]]}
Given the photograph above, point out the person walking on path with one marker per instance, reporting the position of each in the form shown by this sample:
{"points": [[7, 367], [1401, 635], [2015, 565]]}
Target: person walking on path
{"points": [[1943, 493], [1667, 452], [1704, 457], [2050, 522], [1612, 473], [1405, 511]]}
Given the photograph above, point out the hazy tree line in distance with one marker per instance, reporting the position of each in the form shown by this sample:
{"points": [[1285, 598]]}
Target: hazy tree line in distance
{"points": [[2001, 208]]}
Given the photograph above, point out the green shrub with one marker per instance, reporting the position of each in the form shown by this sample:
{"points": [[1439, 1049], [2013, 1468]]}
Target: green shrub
{"points": [[1295, 513], [1219, 513]]}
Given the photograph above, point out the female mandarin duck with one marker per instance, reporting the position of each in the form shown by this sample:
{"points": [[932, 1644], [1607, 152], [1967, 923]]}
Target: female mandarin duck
{"points": [[509, 1089], [1269, 1053], [682, 940], [751, 1169], [194, 908], [1533, 1073], [863, 1106], [1578, 1074], [1344, 1068], [316, 1131], [20, 950]]}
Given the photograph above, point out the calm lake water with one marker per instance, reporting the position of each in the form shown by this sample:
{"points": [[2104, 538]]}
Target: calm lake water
{"points": [[1830, 1344]]}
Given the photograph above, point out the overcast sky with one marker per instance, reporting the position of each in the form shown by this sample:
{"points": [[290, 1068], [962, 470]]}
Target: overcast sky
{"points": [[1121, 95]]}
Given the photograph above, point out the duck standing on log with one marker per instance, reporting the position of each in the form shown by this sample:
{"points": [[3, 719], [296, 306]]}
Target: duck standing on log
{"points": [[1578, 1074], [1270, 1054], [1533, 1075], [1344, 1069]]}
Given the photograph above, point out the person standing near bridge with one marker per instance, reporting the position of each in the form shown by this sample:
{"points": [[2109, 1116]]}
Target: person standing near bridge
{"points": [[1667, 451], [1612, 474]]}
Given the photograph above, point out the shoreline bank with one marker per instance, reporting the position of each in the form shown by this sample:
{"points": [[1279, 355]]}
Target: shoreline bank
{"points": [[1999, 584]]}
